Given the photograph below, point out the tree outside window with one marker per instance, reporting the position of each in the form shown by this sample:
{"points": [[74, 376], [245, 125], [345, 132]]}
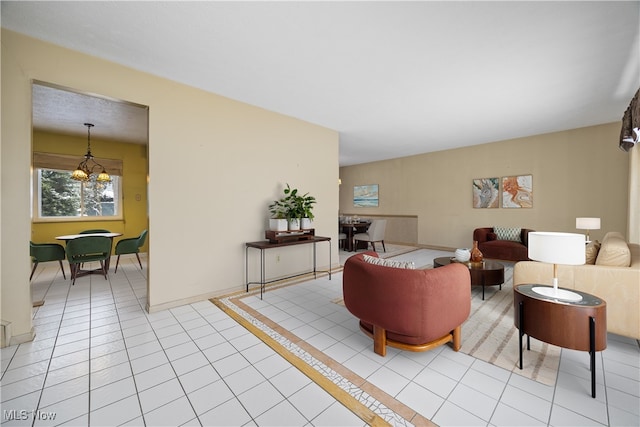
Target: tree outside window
{"points": [[59, 196]]}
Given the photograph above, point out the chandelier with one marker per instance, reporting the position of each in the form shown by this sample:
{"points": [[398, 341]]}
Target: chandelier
{"points": [[87, 166]]}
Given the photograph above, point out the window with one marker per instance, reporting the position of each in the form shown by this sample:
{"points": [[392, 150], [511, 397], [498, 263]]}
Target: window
{"points": [[59, 196]]}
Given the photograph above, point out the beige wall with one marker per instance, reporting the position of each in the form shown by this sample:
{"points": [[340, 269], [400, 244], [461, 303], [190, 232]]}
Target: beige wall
{"points": [[214, 165], [576, 173]]}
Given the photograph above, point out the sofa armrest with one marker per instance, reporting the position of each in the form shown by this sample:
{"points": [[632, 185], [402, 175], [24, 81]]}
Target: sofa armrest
{"points": [[524, 236], [482, 234]]}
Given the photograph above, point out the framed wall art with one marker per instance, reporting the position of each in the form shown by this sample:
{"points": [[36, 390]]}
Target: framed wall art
{"points": [[517, 191], [365, 196], [486, 192]]}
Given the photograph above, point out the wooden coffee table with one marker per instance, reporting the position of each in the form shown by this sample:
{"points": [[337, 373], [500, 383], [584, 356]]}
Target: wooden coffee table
{"points": [[489, 273]]}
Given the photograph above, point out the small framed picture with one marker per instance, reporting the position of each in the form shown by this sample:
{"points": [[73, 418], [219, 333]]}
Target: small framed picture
{"points": [[517, 191], [486, 193], [365, 196]]}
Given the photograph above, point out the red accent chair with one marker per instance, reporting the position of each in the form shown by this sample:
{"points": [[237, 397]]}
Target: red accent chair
{"points": [[414, 310]]}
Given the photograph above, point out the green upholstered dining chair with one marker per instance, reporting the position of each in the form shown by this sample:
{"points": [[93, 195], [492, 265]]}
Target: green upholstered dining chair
{"points": [[43, 252], [88, 249], [96, 230], [130, 245]]}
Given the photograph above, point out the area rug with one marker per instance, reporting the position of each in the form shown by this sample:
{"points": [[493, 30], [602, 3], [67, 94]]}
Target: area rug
{"points": [[489, 333]]}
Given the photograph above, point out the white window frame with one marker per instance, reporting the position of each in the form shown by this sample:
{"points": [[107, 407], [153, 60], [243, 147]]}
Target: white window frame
{"points": [[37, 203]]}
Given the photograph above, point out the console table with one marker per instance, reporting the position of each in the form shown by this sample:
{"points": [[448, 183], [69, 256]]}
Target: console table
{"points": [[577, 325], [263, 245]]}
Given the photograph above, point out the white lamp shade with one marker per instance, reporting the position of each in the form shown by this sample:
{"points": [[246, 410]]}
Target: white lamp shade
{"points": [[557, 248], [588, 223]]}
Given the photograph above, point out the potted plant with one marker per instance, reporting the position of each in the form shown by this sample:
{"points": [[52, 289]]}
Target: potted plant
{"points": [[294, 207], [278, 220], [307, 203]]}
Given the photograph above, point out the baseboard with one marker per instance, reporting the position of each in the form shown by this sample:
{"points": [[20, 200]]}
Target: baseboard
{"points": [[5, 331], [228, 291], [8, 339], [190, 300]]}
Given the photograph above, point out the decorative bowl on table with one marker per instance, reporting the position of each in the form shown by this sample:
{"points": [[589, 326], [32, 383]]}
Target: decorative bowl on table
{"points": [[462, 255]]}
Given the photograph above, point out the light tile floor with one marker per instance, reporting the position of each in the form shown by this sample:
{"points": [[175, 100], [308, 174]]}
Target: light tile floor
{"points": [[100, 359]]}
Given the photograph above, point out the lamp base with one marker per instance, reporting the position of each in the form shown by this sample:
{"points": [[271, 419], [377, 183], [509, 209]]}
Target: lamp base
{"points": [[557, 293]]}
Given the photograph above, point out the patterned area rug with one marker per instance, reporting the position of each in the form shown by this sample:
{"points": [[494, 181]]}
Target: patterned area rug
{"points": [[489, 333]]}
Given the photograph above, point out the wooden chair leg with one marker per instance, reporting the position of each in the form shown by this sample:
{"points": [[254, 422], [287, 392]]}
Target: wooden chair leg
{"points": [[383, 248], [117, 261], [74, 272], [139, 262], [62, 268], [379, 341], [457, 338], [373, 245], [33, 270], [104, 269]]}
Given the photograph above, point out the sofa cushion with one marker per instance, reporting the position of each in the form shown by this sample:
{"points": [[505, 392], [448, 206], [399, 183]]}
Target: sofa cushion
{"points": [[508, 233], [491, 236], [614, 251], [389, 262], [592, 250]]}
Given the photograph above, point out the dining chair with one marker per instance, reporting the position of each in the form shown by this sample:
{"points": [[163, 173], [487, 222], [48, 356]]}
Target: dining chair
{"points": [[130, 245], [88, 249], [375, 233], [342, 239], [43, 252], [94, 231]]}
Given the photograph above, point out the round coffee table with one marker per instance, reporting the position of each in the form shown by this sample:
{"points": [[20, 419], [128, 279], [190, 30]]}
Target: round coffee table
{"points": [[488, 273]]}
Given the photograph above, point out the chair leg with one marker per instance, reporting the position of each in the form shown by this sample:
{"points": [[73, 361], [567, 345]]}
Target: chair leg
{"points": [[104, 269], [33, 270], [117, 261], [62, 268], [373, 245], [457, 338], [383, 248], [379, 341], [74, 272], [139, 262]]}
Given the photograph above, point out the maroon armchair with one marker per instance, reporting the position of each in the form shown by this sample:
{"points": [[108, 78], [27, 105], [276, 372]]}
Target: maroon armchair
{"points": [[507, 250], [414, 310]]}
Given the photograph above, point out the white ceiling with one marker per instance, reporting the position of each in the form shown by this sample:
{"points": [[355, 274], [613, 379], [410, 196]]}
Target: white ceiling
{"points": [[394, 78]]}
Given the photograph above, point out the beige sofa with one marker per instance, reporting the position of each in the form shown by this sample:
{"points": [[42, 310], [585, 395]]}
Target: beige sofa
{"points": [[608, 279]]}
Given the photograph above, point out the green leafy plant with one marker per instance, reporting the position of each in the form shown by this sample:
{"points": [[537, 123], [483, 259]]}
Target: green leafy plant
{"points": [[292, 205], [278, 209], [307, 206]]}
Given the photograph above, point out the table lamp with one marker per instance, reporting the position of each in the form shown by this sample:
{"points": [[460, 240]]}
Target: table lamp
{"points": [[557, 248], [588, 224]]}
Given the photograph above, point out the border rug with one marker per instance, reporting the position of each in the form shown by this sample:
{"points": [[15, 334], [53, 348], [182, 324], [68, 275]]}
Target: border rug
{"points": [[368, 402]]}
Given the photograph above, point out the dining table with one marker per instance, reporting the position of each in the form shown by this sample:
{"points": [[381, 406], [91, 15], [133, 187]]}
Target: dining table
{"points": [[352, 228], [68, 237]]}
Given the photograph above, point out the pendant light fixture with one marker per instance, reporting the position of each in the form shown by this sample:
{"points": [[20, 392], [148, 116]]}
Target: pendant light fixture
{"points": [[86, 167]]}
